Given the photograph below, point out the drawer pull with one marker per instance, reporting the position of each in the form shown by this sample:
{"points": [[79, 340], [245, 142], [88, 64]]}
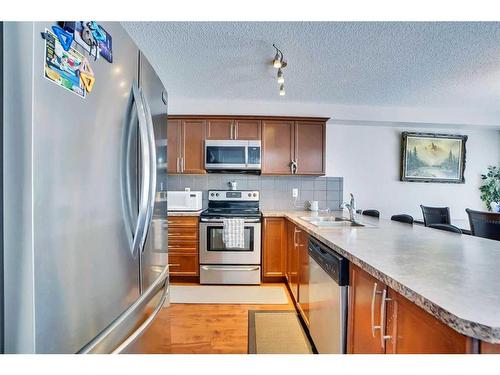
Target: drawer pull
{"points": [[174, 265]]}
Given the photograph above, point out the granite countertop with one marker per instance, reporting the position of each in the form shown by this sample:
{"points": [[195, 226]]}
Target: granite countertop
{"points": [[184, 213], [455, 278]]}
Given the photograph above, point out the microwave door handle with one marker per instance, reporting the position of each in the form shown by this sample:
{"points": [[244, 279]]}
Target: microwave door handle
{"points": [[145, 171]]}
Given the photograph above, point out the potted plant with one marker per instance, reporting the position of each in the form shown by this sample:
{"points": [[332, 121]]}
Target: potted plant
{"points": [[490, 189]]}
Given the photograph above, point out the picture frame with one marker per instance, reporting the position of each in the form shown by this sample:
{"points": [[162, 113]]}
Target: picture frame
{"points": [[428, 157]]}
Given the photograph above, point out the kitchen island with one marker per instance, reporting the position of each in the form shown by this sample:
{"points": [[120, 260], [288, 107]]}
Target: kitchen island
{"points": [[452, 277]]}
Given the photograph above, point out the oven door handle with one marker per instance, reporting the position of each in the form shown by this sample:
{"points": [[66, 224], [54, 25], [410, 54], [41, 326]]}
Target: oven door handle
{"points": [[218, 221]]}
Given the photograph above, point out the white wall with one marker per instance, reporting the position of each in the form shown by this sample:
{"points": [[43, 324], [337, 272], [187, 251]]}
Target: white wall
{"points": [[368, 157]]}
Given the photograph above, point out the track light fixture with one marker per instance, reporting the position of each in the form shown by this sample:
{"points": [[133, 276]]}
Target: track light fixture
{"points": [[281, 77], [279, 63]]}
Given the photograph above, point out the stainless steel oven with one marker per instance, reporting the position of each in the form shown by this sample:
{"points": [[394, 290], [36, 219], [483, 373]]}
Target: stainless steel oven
{"points": [[220, 264], [232, 155], [214, 251]]}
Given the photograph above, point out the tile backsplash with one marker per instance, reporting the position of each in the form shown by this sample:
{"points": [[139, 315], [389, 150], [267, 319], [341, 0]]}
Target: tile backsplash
{"points": [[275, 191]]}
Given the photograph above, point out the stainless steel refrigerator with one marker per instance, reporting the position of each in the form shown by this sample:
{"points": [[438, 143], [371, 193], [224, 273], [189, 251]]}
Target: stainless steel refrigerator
{"points": [[84, 215]]}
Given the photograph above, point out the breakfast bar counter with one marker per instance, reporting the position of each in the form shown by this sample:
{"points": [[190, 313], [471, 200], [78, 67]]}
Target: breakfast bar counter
{"points": [[453, 277]]}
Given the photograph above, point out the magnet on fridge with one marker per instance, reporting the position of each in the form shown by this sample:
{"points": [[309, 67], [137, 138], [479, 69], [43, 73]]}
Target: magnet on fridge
{"points": [[88, 81], [86, 68], [96, 31], [64, 37]]}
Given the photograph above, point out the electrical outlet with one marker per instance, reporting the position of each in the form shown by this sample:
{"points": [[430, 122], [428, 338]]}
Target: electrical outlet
{"points": [[295, 193]]}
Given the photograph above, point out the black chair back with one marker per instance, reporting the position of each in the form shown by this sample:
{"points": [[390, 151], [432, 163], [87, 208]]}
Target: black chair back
{"points": [[446, 227], [484, 224], [372, 213], [436, 215], [403, 218]]}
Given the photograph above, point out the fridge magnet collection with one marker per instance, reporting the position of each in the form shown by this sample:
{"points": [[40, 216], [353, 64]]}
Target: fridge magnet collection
{"points": [[64, 64]]}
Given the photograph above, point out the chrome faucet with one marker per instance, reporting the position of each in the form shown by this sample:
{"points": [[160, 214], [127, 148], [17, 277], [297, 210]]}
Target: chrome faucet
{"points": [[351, 206]]}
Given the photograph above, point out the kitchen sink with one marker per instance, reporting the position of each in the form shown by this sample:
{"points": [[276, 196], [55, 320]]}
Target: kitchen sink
{"points": [[332, 222]]}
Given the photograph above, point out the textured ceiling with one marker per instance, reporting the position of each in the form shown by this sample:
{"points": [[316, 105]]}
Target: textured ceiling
{"points": [[390, 64]]}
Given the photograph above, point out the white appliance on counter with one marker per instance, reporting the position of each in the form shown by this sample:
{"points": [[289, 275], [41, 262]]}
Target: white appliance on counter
{"points": [[185, 200]]}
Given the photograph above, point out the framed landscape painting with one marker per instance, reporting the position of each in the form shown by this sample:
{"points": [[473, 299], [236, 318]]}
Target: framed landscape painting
{"points": [[433, 157]]}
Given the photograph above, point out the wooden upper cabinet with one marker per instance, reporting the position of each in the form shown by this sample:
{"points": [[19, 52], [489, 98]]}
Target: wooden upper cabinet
{"points": [[174, 134], [302, 142], [226, 129], [193, 150], [220, 129], [411, 330], [310, 147], [284, 140], [273, 249], [365, 294], [277, 146], [247, 130]]}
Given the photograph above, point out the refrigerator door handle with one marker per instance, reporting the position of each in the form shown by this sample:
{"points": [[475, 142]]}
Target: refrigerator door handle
{"points": [[140, 229], [105, 341], [144, 326], [152, 174]]}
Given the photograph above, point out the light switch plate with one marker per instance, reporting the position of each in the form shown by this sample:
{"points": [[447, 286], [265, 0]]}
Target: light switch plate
{"points": [[295, 193]]}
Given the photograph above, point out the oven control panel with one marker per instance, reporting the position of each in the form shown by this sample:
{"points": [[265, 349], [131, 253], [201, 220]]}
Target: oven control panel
{"points": [[233, 195]]}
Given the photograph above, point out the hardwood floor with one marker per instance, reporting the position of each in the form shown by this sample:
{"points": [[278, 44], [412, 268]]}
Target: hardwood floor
{"points": [[206, 329]]}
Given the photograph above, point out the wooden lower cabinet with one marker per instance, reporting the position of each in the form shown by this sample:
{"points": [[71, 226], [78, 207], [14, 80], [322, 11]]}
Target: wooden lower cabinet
{"points": [[292, 259], [183, 246], [487, 348], [411, 330], [273, 248], [406, 328], [303, 301], [363, 312]]}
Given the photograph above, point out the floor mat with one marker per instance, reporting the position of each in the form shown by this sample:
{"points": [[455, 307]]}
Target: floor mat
{"points": [[228, 294], [276, 332]]}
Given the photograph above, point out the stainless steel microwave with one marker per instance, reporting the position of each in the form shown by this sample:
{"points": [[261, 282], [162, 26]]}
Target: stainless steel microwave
{"points": [[232, 155]]}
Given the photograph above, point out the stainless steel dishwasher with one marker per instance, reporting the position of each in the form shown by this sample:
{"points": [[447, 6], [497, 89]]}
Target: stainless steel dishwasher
{"points": [[328, 282]]}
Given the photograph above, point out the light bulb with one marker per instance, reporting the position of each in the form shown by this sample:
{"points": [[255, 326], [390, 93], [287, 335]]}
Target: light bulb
{"points": [[281, 77], [282, 90], [277, 61]]}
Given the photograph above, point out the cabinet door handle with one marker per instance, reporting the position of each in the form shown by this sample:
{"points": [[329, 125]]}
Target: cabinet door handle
{"points": [[383, 336], [182, 164], [374, 294], [235, 131], [232, 131], [178, 168], [295, 231]]}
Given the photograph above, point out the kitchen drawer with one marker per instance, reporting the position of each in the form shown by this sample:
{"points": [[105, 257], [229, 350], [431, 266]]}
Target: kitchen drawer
{"points": [[183, 221], [183, 264], [186, 234], [183, 247]]}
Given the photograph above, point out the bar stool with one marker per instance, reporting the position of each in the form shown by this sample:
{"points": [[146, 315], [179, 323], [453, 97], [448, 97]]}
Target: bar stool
{"points": [[484, 224], [403, 218], [446, 227], [372, 213]]}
